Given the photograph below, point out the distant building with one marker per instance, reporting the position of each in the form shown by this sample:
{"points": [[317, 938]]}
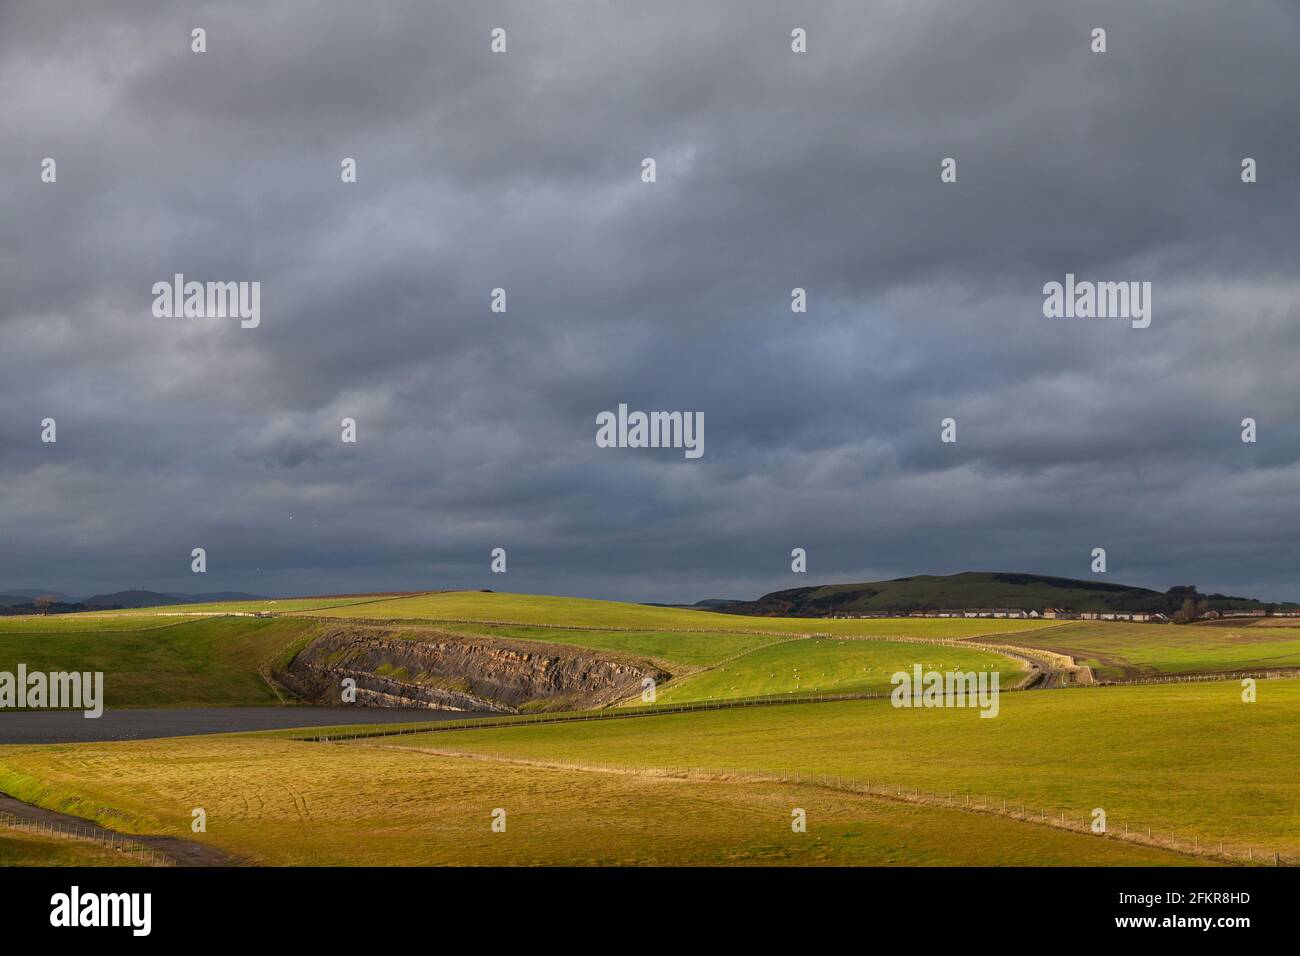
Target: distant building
{"points": [[1058, 614]]}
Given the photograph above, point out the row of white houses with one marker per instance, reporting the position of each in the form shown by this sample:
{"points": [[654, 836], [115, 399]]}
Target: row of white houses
{"points": [[1140, 617], [1063, 614], [1050, 613]]}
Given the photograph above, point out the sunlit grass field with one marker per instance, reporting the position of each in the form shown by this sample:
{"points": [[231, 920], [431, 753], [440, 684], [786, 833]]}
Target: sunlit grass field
{"points": [[534, 609], [692, 648], [278, 802], [1188, 758], [1137, 650], [275, 605], [22, 848], [1191, 757], [97, 623], [831, 666], [165, 658], [190, 662]]}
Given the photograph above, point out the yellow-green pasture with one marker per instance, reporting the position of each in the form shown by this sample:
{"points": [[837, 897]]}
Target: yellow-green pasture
{"points": [[189, 662], [811, 666], [539, 609], [278, 802], [1190, 757], [1118, 651]]}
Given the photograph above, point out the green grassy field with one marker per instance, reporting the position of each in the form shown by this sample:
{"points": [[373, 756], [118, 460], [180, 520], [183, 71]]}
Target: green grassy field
{"points": [[22, 848], [1185, 756], [166, 659], [695, 649], [830, 666], [1135, 650], [277, 802], [275, 605], [1191, 758], [163, 659], [97, 623], [198, 662], [534, 609]]}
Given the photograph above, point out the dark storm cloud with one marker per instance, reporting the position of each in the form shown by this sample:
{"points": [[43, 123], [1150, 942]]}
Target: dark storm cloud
{"points": [[522, 171]]}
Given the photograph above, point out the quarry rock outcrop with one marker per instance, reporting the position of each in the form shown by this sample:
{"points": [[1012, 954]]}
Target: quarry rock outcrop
{"points": [[414, 667]]}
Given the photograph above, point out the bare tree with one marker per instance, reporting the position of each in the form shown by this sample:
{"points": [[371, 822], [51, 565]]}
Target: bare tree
{"points": [[45, 602]]}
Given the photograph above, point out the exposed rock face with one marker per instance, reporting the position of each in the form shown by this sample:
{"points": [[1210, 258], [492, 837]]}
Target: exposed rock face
{"points": [[398, 667]]}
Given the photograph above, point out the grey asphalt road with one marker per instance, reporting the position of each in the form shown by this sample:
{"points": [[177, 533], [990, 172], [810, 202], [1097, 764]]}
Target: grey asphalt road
{"points": [[62, 726]]}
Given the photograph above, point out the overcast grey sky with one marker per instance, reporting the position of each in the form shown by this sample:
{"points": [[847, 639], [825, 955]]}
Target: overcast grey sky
{"points": [[523, 171]]}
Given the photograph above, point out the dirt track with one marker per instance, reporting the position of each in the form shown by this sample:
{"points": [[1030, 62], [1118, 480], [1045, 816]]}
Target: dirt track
{"points": [[179, 851]]}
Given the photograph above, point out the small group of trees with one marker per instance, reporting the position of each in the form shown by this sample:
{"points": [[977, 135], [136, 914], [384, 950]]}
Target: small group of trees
{"points": [[1191, 610]]}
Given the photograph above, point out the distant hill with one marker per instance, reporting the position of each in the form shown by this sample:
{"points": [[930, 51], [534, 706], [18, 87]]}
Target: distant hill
{"points": [[27, 595], [708, 604], [129, 599], [983, 589], [209, 597]]}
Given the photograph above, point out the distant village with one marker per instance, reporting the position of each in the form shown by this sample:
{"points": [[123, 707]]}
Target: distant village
{"points": [[1064, 614]]}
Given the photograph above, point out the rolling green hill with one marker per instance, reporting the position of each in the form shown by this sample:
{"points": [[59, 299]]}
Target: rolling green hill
{"points": [[485, 607], [981, 589], [159, 662], [806, 666]]}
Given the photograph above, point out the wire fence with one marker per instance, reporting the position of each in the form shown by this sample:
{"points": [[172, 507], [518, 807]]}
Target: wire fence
{"points": [[1193, 678], [359, 731], [336, 735], [137, 852]]}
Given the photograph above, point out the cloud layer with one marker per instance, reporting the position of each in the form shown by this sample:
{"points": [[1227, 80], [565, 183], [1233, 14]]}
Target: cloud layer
{"points": [[522, 171]]}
